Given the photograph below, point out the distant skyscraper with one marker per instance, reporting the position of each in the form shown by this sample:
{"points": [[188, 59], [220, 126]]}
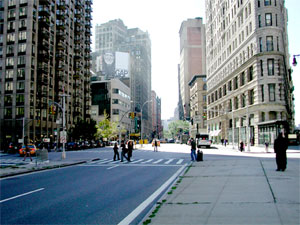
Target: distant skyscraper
{"points": [[112, 37], [45, 52], [248, 73], [192, 57]]}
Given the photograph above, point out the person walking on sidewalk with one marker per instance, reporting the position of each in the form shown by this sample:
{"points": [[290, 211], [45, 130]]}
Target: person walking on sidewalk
{"points": [[193, 149], [280, 147], [116, 153]]}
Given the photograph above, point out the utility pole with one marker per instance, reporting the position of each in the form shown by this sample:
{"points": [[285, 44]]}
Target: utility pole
{"points": [[142, 121]]}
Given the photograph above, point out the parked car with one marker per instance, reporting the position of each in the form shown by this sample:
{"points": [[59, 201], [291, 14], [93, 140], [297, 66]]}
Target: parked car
{"points": [[171, 140], [32, 148]]}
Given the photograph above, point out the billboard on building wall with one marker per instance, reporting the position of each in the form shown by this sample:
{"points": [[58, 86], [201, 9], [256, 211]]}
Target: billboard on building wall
{"points": [[114, 65]]}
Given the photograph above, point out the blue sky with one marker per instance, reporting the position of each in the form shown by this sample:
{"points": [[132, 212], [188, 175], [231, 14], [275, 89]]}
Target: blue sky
{"points": [[162, 19]]}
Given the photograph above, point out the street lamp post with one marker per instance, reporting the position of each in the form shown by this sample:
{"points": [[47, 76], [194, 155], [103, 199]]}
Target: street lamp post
{"points": [[142, 119], [120, 124], [63, 109]]}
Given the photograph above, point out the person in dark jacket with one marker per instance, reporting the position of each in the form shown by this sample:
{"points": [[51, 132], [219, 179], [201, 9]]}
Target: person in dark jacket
{"points": [[193, 149], [124, 151], [280, 147], [130, 148], [116, 153]]}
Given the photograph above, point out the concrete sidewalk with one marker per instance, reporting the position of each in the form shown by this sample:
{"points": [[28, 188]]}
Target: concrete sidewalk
{"points": [[235, 189]]}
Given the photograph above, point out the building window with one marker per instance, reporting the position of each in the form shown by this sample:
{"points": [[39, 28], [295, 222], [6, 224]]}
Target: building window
{"points": [[20, 86], [267, 2], [7, 99], [262, 92], [22, 24], [235, 83], [11, 37], [20, 112], [22, 35], [21, 60], [115, 111], [269, 43], [251, 97], [259, 20], [12, 13], [261, 68], [277, 38], [260, 44], [7, 113], [9, 74], [271, 92], [271, 67], [20, 99], [242, 79], [21, 73], [22, 47], [243, 100], [22, 11], [230, 86], [11, 25], [250, 73], [258, 3], [10, 49], [263, 117], [236, 103], [268, 19], [224, 90], [10, 61], [204, 87], [9, 86]]}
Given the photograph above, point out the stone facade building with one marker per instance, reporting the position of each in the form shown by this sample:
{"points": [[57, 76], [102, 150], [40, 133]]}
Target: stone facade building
{"points": [[249, 84], [198, 105]]}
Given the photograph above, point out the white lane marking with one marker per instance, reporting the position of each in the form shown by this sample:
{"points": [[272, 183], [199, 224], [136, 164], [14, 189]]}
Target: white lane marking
{"points": [[137, 161], [168, 162], [179, 161], [18, 196], [157, 161], [148, 161], [127, 220], [112, 167]]}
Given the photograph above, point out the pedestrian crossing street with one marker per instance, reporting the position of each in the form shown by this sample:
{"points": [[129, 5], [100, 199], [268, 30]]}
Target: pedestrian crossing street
{"points": [[137, 162]]}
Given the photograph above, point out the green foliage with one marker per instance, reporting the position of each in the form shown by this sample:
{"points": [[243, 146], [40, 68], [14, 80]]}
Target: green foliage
{"points": [[176, 127], [85, 130], [106, 128]]}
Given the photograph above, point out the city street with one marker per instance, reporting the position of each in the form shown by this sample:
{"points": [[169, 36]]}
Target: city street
{"points": [[103, 191], [98, 192]]}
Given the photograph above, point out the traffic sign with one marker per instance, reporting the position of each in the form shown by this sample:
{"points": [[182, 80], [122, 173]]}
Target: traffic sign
{"points": [[63, 139]]}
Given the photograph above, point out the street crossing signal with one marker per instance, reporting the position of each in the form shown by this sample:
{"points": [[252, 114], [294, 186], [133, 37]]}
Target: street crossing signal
{"points": [[204, 115]]}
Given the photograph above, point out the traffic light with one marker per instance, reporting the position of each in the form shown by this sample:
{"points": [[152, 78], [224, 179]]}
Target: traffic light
{"points": [[52, 109], [204, 115]]}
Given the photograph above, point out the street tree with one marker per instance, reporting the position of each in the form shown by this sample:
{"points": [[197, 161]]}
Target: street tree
{"points": [[106, 128], [177, 127]]}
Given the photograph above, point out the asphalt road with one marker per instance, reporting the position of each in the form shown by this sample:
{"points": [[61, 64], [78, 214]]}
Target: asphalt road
{"points": [[101, 192]]}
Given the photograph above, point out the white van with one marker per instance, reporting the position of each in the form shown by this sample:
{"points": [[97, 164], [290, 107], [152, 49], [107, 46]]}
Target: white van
{"points": [[203, 140]]}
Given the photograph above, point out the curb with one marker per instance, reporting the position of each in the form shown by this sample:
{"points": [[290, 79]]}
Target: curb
{"points": [[163, 196]]}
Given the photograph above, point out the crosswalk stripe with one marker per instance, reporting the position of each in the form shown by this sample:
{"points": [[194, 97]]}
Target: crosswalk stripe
{"points": [[179, 161], [107, 161], [168, 162], [137, 161], [150, 160], [157, 161]]}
